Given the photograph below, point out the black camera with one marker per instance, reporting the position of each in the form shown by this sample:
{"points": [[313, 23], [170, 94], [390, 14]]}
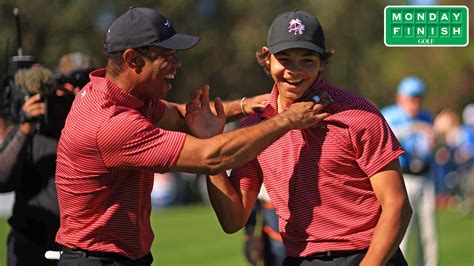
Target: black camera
{"points": [[26, 83]]}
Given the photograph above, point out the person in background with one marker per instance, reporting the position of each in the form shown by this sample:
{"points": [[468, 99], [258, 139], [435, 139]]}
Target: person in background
{"points": [[336, 187], [447, 130], [120, 131], [413, 126], [28, 159], [465, 158], [73, 71]]}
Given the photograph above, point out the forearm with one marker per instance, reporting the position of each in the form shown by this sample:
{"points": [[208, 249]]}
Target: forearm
{"points": [[226, 202], [9, 158], [237, 147], [233, 110], [388, 234]]}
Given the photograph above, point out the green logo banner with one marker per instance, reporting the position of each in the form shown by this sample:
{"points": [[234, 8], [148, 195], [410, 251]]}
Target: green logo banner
{"points": [[426, 26]]}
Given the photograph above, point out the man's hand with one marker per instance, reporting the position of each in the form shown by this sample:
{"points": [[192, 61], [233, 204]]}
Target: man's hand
{"points": [[305, 114], [254, 104], [32, 108], [199, 118]]}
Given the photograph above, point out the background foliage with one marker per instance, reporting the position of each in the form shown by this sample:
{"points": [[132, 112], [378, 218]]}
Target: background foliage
{"points": [[231, 31]]}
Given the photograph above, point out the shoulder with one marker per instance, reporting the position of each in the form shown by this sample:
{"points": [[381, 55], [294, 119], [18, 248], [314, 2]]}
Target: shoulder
{"points": [[350, 106]]}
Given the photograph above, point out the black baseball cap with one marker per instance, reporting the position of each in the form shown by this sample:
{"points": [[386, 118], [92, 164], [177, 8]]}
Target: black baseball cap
{"points": [[296, 29], [141, 26]]}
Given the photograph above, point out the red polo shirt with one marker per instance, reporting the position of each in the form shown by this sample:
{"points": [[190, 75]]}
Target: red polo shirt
{"points": [[318, 178], [107, 154]]}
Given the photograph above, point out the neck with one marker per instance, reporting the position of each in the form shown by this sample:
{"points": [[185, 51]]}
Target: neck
{"points": [[282, 103], [126, 84]]}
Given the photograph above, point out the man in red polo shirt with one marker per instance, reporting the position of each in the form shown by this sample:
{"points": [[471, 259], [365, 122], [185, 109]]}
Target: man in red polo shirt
{"points": [[119, 132], [336, 187]]}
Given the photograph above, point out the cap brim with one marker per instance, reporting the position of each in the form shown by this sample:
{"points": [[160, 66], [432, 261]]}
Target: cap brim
{"points": [[295, 44], [178, 42]]}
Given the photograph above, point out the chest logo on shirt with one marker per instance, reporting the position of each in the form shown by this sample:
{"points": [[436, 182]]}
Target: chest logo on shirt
{"points": [[296, 26]]}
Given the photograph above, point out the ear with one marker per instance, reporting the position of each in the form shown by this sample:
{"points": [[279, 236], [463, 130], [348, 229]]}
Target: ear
{"points": [[266, 52], [133, 59], [322, 65]]}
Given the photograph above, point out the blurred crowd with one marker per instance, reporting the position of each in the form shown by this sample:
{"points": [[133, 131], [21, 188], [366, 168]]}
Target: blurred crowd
{"points": [[453, 171]]}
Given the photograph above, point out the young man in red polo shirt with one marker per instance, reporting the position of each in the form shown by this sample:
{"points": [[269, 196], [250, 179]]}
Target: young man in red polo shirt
{"points": [[336, 187], [119, 132]]}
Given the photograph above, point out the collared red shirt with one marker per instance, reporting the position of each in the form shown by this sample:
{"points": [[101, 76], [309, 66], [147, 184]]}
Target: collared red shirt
{"points": [[319, 178], [107, 154]]}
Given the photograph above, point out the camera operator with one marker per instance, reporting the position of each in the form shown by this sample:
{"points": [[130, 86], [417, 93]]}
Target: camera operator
{"points": [[28, 158]]}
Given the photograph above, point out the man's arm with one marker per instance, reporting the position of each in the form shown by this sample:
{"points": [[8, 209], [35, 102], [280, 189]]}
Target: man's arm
{"points": [[390, 190], [232, 207], [11, 159], [11, 162], [173, 118], [212, 155]]}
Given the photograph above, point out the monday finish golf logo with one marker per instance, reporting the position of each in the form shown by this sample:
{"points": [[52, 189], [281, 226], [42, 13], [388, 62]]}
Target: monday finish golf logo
{"points": [[421, 26]]}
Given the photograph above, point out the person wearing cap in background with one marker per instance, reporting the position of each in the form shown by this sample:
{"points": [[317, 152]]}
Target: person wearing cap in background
{"points": [[413, 127], [120, 132], [28, 146], [336, 187]]}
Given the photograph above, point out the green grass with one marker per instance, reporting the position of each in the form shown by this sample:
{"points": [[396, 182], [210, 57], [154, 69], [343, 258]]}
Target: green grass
{"points": [[191, 235]]}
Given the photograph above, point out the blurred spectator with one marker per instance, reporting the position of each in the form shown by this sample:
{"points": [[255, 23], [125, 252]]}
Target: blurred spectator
{"points": [[28, 159], [413, 127], [73, 71], [71, 62], [447, 134], [465, 159]]}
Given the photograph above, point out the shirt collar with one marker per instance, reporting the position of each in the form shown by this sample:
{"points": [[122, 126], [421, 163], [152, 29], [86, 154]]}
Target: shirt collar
{"points": [[272, 100], [118, 95]]}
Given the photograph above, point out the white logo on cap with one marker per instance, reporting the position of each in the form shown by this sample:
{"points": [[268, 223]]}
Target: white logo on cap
{"points": [[167, 24], [296, 26]]}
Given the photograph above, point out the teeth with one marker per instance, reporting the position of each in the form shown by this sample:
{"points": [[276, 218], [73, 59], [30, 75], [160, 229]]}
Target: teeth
{"points": [[170, 76], [294, 81]]}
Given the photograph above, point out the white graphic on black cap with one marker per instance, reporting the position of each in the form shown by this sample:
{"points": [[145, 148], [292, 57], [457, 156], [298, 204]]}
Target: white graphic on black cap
{"points": [[296, 26], [167, 24]]}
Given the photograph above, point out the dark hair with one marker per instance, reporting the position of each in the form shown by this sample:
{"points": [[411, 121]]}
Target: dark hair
{"points": [[262, 59], [115, 61]]}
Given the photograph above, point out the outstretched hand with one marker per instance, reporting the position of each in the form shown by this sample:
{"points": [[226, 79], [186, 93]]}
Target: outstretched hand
{"points": [[199, 118]]}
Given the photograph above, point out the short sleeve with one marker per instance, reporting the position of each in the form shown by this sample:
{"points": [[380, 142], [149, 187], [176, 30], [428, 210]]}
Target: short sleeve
{"points": [[374, 143], [129, 140], [156, 110], [247, 176]]}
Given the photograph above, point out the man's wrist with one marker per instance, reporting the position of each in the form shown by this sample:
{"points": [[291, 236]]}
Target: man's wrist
{"points": [[242, 108], [282, 122]]}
